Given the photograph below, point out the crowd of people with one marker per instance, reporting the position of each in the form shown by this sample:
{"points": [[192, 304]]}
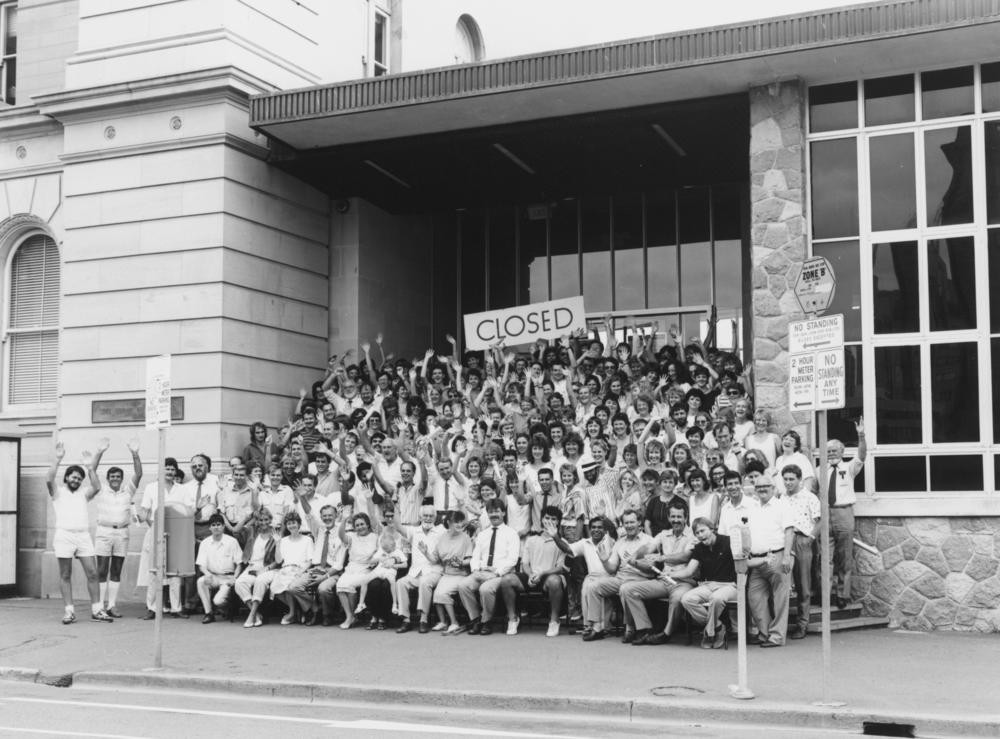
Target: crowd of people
{"points": [[603, 478]]}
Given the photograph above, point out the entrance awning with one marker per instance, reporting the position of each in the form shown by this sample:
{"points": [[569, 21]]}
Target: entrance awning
{"points": [[379, 118]]}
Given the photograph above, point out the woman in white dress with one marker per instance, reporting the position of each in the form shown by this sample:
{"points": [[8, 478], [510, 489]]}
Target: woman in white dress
{"points": [[294, 554], [362, 544]]}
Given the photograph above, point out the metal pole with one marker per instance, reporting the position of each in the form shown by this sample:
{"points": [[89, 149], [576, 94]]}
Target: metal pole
{"points": [[741, 690], [824, 503], [159, 549]]}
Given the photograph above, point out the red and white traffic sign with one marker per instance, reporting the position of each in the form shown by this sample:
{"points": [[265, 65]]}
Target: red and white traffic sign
{"points": [[816, 285]]}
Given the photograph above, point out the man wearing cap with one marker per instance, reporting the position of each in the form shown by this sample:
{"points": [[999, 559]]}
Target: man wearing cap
{"points": [[218, 557], [772, 533]]}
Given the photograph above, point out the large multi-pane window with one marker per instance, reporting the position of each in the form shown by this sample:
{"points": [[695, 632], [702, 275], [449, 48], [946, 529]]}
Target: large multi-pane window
{"points": [[664, 256], [8, 52], [905, 202], [31, 323]]}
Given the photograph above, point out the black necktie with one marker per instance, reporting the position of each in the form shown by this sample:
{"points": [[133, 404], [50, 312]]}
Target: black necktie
{"points": [[326, 548], [831, 488], [493, 545]]}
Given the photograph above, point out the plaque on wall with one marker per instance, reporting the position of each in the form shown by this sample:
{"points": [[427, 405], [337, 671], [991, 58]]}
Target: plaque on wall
{"points": [[130, 410]]}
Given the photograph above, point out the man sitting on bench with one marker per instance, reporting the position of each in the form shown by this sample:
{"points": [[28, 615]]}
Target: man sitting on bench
{"points": [[542, 570]]}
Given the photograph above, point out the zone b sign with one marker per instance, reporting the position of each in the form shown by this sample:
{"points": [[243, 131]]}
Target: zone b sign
{"points": [[816, 285]]}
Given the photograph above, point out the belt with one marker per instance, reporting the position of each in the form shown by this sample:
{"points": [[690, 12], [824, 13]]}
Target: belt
{"points": [[846, 505], [764, 554], [114, 526]]}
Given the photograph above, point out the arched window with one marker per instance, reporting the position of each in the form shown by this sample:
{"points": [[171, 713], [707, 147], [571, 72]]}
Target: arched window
{"points": [[468, 41], [31, 327]]}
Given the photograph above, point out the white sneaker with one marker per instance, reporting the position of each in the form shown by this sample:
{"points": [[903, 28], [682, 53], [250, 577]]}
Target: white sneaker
{"points": [[439, 626], [248, 624], [453, 629], [553, 629], [286, 619], [512, 627]]}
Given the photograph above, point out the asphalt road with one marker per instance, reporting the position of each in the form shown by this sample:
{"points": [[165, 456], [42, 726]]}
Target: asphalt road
{"points": [[29, 710]]}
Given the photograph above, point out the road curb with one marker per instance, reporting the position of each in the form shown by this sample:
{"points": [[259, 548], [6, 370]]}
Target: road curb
{"points": [[19, 674], [623, 709]]}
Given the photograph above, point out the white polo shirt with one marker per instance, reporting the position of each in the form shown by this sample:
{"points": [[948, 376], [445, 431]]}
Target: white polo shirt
{"points": [[767, 525]]}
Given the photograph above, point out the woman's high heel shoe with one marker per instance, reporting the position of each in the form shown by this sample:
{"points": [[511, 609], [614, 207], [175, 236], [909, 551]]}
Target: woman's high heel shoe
{"points": [[721, 638]]}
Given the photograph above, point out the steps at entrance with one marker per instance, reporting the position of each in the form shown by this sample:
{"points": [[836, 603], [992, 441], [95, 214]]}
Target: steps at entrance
{"points": [[844, 619]]}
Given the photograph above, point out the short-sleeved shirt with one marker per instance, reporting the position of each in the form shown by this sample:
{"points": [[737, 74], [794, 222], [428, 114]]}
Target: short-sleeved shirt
{"points": [[768, 524], [715, 563], [805, 511], [114, 508], [449, 547], [844, 480], [592, 554], [631, 547], [541, 555], [219, 557], [71, 508]]}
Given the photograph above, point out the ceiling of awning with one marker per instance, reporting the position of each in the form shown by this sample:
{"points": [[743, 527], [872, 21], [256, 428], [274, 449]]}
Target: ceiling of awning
{"points": [[691, 142]]}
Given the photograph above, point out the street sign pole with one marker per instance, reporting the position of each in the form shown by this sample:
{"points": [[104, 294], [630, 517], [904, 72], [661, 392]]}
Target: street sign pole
{"points": [[824, 502], [158, 417]]}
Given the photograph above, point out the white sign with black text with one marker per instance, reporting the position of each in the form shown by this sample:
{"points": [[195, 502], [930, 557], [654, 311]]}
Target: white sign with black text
{"points": [[525, 324], [816, 377]]}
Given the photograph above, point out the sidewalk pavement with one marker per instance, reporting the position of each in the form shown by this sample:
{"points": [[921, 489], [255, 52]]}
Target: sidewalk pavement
{"points": [[943, 683]]}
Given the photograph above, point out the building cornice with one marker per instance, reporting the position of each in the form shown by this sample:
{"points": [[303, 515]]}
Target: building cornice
{"points": [[757, 39]]}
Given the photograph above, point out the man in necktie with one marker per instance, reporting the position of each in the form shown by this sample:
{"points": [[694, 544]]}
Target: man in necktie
{"points": [[495, 554], [841, 496], [547, 494], [322, 576], [204, 488]]}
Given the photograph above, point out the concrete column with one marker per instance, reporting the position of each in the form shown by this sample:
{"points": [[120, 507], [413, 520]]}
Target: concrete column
{"points": [[777, 177]]}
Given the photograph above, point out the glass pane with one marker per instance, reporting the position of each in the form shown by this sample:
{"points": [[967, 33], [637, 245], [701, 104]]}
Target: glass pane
{"points": [[947, 92], [844, 257], [948, 172], [565, 250], [445, 314], [534, 256], [900, 474], [661, 254], [889, 100], [380, 45], [897, 402], [596, 254], [696, 247], [957, 472], [992, 171], [955, 392], [10, 81], [995, 371], [951, 272], [10, 38], [894, 192], [841, 421], [503, 259], [990, 75], [728, 233], [896, 287], [994, 267], [630, 277], [834, 188], [996, 472], [473, 256], [832, 107]]}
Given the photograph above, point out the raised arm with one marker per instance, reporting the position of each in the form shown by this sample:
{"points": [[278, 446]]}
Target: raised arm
{"points": [[50, 477], [133, 447]]}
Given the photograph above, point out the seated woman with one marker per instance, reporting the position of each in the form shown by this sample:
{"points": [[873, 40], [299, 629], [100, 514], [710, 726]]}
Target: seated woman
{"points": [[452, 552], [362, 545], [260, 565], [295, 555], [387, 559]]}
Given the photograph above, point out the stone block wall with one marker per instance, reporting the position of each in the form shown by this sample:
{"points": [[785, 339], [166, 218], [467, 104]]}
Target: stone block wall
{"points": [[778, 239], [930, 573]]}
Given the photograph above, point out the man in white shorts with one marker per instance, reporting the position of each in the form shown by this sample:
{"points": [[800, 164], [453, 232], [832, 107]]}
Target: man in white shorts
{"points": [[114, 514], [72, 538]]}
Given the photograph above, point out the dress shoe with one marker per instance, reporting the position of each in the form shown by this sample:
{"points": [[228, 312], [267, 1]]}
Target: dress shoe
{"points": [[404, 627], [150, 615], [629, 637], [208, 619], [595, 635], [423, 628], [799, 633], [840, 602], [641, 639], [475, 627], [114, 612], [654, 640], [769, 643], [486, 629]]}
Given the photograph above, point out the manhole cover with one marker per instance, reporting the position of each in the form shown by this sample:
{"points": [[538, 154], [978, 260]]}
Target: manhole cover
{"points": [[675, 691]]}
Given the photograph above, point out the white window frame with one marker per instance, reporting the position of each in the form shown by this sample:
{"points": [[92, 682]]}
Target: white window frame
{"points": [[8, 408], [372, 67], [927, 502], [4, 56]]}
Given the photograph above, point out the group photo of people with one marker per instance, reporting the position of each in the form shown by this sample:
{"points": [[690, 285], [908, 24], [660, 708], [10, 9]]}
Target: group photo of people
{"points": [[590, 483]]}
